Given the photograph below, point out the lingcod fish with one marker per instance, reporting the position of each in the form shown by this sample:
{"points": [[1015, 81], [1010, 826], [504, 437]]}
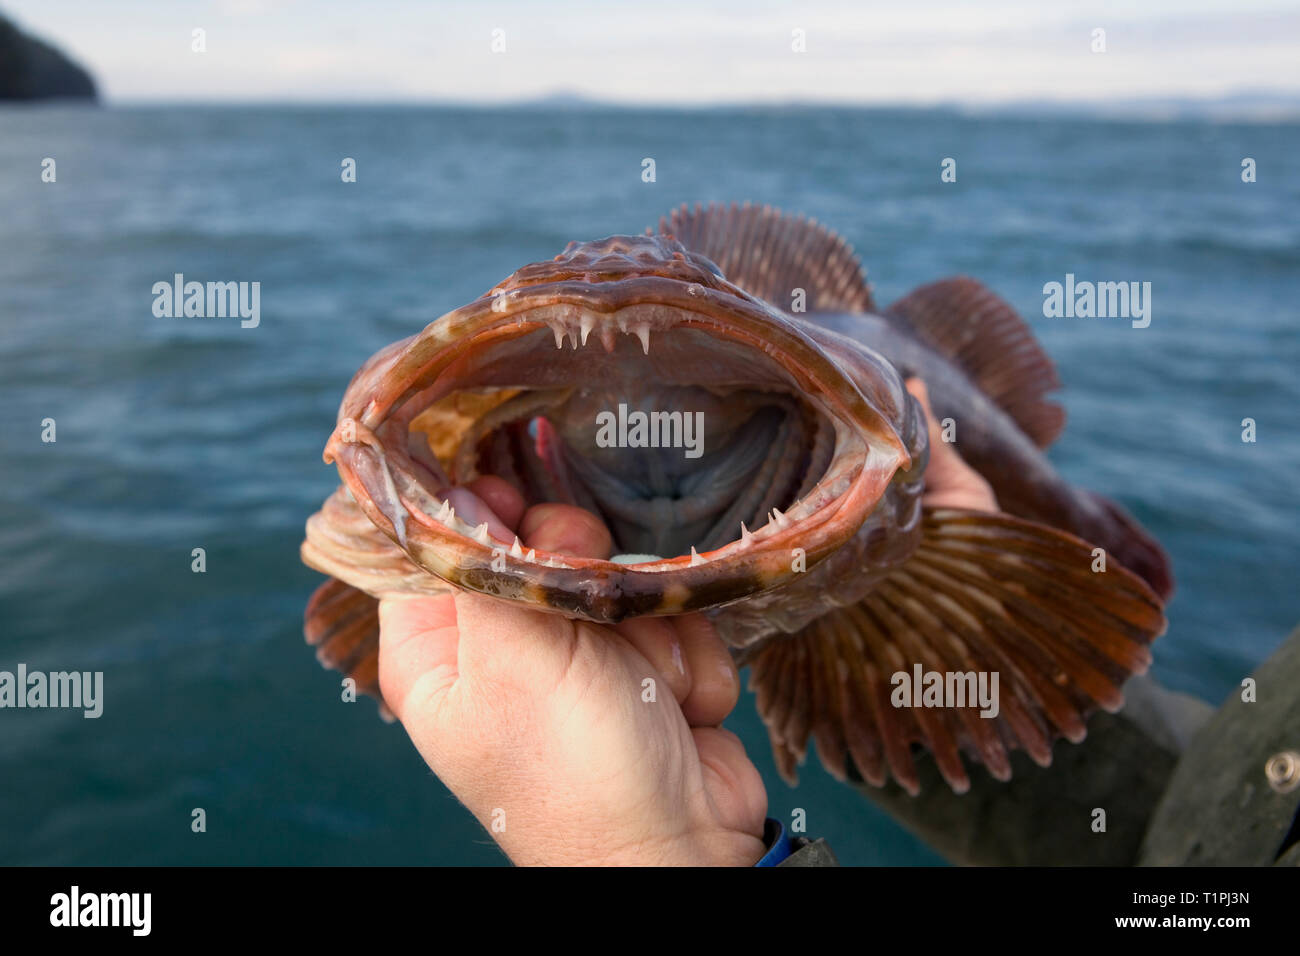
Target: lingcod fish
{"points": [[794, 518]]}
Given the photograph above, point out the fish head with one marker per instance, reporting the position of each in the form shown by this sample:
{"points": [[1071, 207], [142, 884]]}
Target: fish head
{"points": [[732, 448]]}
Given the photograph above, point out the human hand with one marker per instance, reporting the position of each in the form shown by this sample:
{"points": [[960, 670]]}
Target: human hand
{"points": [[949, 481], [538, 723]]}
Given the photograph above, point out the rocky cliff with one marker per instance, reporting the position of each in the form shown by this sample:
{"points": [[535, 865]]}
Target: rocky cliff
{"points": [[33, 70]]}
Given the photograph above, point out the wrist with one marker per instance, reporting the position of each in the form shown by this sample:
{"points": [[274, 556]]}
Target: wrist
{"points": [[697, 848]]}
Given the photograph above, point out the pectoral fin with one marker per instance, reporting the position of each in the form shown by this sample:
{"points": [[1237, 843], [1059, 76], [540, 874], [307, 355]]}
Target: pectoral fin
{"points": [[983, 594], [342, 617], [342, 623]]}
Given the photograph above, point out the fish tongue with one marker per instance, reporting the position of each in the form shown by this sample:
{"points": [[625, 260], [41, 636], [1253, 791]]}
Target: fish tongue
{"points": [[635, 558]]}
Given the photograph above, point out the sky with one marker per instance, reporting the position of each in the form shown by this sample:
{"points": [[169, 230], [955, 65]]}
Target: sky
{"points": [[673, 52]]}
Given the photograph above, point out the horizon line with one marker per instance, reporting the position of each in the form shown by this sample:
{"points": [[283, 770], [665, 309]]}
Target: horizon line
{"points": [[1248, 103]]}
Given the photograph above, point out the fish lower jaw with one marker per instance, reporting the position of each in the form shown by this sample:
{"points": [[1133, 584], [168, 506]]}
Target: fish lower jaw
{"points": [[476, 544], [462, 550], [779, 524]]}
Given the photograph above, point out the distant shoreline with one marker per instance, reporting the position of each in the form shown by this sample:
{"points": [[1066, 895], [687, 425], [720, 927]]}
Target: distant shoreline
{"points": [[1215, 111]]}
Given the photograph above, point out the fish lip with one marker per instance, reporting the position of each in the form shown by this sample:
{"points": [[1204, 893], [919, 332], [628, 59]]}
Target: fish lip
{"points": [[596, 589]]}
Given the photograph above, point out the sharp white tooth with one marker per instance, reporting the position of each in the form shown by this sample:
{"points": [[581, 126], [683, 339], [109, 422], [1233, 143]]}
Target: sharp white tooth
{"points": [[573, 337], [515, 550], [480, 533], [558, 329], [643, 333], [588, 322], [695, 558], [781, 520], [746, 536], [445, 512], [531, 555]]}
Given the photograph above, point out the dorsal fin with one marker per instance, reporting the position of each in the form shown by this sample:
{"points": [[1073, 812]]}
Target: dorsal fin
{"points": [[964, 320], [769, 255]]}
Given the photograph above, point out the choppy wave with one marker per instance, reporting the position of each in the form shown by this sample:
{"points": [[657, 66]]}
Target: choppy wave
{"points": [[175, 434]]}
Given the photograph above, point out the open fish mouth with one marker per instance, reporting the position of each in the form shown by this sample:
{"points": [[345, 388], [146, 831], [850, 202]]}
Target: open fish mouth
{"points": [[726, 448]]}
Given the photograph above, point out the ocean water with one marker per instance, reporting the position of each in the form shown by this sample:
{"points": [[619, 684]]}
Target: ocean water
{"points": [[175, 434]]}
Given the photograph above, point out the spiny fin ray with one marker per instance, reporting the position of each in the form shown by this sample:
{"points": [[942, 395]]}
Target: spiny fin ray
{"points": [[983, 593], [770, 254], [962, 319]]}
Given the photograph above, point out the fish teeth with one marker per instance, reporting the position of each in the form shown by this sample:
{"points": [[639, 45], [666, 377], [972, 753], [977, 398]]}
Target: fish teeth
{"points": [[446, 514], [642, 330], [778, 519], [558, 329], [515, 550], [746, 536], [587, 323], [531, 556], [696, 560], [480, 533]]}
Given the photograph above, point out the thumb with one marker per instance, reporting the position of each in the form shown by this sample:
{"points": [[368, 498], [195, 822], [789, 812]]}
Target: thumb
{"points": [[417, 651], [949, 481]]}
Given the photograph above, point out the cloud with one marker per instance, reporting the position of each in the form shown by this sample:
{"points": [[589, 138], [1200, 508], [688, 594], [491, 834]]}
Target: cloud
{"points": [[673, 51]]}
